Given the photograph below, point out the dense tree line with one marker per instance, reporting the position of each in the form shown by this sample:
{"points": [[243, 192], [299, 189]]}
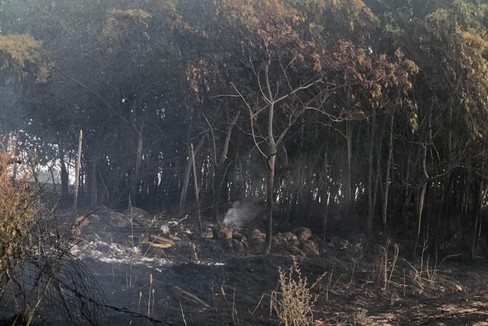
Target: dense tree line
{"points": [[369, 114]]}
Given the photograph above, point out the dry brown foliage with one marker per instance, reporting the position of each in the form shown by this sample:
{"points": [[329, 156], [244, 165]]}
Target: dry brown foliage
{"points": [[293, 302], [19, 209]]}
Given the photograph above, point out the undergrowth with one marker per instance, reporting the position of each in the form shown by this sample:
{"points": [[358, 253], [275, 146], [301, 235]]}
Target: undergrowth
{"points": [[294, 300], [20, 207]]}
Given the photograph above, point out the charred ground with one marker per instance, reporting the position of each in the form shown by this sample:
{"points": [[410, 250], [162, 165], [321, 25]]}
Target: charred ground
{"points": [[155, 269]]}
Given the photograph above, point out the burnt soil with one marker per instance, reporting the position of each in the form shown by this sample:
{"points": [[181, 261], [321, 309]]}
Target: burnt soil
{"points": [[222, 279]]}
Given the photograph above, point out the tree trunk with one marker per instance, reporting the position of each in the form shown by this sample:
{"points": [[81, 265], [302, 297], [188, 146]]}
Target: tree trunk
{"points": [[53, 180], [388, 168], [326, 200], [425, 182], [78, 168], [184, 187], [442, 222], [407, 193], [136, 179], [271, 160], [195, 183], [217, 191], [270, 198], [219, 172], [421, 199], [347, 192], [186, 176], [369, 224], [94, 182], [13, 144], [64, 176], [478, 198], [377, 177]]}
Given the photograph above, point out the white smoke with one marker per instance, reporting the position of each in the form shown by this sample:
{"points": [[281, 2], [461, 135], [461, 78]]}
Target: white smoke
{"points": [[240, 214]]}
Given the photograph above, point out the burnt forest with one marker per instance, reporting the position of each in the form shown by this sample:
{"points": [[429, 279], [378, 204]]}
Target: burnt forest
{"points": [[243, 162]]}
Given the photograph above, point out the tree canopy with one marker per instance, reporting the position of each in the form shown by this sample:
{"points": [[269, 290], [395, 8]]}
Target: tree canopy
{"points": [[339, 114]]}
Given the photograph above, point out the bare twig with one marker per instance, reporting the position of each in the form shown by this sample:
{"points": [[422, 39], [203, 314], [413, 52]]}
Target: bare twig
{"points": [[183, 315]]}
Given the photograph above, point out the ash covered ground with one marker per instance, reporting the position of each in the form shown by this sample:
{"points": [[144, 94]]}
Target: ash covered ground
{"points": [[160, 269]]}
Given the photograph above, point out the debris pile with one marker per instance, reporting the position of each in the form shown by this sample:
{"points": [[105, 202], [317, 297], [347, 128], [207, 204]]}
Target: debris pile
{"points": [[140, 237]]}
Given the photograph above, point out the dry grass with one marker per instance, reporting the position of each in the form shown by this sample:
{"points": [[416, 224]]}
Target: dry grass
{"points": [[424, 274], [294, 300], [386, 264], [20, 206]]}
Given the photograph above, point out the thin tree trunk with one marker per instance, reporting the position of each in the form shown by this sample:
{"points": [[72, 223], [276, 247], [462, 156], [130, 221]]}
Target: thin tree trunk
{"points": [[408, 196], [348, 195], [195, 181], [186, 176], [14, 156], [216, 191], [423, 191], [377, 177], [64, 176], [439, 226], [271, 173], [77, 169], [270, 198], [134, 189], [421, 199], [369, 224], [219, 174], [94, 182], [184, 187], [106, 193], [388, 169], [478, 197], [51, 171], [326, 200]]}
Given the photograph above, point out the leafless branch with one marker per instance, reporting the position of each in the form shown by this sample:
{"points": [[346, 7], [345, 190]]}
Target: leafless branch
{"points": [[251, 121]]}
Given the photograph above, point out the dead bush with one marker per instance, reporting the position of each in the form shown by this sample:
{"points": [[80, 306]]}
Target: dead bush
{"points": [[20, 206], [386, 264], [294, 300]]}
